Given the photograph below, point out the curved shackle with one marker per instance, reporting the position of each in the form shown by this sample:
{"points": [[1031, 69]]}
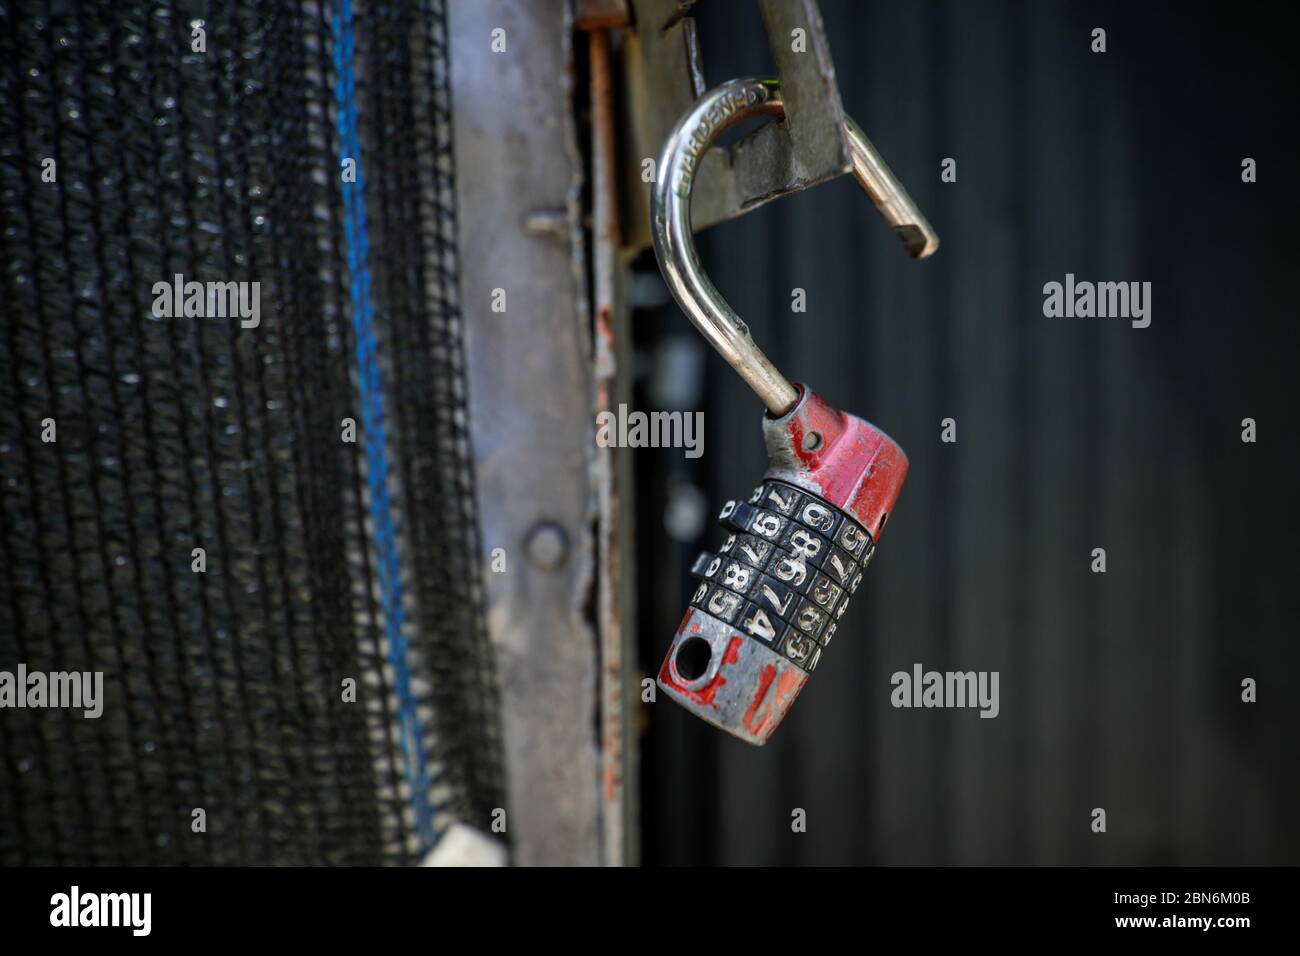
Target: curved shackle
{"points": [[670, 223]]}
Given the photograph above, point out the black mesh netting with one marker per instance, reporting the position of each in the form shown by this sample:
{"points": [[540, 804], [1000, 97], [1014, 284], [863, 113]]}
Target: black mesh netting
{"points": [[222, 689]]}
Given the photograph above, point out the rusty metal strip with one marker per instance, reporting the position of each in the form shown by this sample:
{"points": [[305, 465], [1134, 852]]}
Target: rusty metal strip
{"points": [[615, 591]]}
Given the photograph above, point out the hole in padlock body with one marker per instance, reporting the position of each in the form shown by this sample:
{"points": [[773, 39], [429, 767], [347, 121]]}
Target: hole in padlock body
{"points": [[693, 658]]}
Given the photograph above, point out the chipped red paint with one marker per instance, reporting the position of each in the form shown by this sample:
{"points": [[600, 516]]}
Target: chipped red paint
{"points": [[816, 416], [733, 650], [856, 466], [706, 694], [764, 682], [763, 723]]}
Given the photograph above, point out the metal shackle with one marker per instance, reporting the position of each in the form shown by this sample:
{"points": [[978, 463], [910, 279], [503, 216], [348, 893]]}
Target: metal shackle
{"points": [[670, 212]]}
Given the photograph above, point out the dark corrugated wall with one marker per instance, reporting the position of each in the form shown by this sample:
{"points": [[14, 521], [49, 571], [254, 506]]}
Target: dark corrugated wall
{"points": [[1118, 690]]}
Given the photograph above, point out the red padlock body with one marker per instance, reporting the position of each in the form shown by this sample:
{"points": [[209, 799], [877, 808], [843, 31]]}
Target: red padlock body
{"points": [[850, 462], [741, 685]]}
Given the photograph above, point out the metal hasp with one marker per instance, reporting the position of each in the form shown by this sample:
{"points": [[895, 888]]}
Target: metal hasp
{"points": [[663, 76], [679, 163]]}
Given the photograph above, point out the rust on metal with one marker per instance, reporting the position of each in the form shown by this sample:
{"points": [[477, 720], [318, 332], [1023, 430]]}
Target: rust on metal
{"points": [[601, 14], [617, 745]]}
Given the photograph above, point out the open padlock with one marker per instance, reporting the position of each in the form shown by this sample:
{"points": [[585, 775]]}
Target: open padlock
{"points": [[770, 600]]}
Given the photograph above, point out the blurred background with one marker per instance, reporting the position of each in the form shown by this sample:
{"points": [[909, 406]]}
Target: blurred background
{"points": [[1119, 690]]}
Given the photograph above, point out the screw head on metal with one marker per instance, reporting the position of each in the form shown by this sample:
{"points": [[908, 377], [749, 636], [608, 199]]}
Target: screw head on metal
{"points": [[546, 546]]}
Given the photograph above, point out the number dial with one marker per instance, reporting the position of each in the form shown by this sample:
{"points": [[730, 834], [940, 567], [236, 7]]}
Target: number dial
{"points": [[786, 572], [815, 514], [751, 550]]}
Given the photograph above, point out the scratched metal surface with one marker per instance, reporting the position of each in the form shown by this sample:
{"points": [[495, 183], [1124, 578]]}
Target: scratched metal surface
{"points": [[1118, 690], [530, 403]]}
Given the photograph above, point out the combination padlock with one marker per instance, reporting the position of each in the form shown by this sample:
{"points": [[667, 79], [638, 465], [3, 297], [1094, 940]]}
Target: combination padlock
{"points": [[771, 598]]}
